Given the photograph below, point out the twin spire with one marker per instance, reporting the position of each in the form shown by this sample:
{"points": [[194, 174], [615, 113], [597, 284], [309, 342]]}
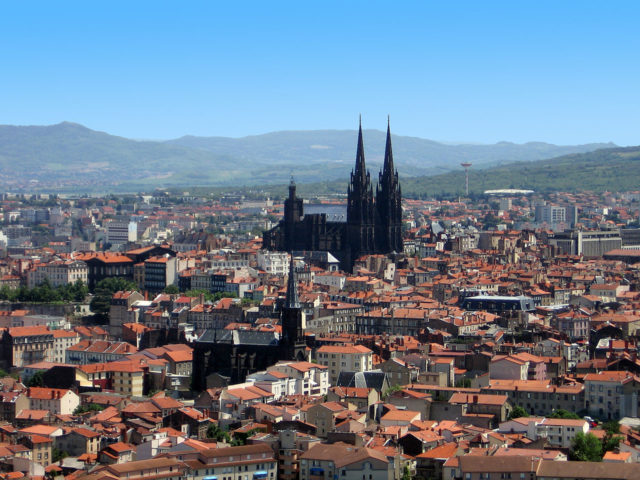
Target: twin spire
{"points": [[360, 171]]}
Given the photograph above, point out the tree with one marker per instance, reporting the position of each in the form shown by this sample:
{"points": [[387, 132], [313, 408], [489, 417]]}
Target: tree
{"points": [[464, 383], [391, 390], [104, 291], [586, 448], [517, 412], [57, 454], [611, 440], [241, 438], [612, 427], [36, 379], [91, 407], [214, 431], [406, 473], [171, 289], [562, 413]]}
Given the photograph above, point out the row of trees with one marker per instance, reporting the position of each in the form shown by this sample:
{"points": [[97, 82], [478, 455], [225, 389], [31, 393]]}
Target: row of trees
{"points": [[45, 293]]}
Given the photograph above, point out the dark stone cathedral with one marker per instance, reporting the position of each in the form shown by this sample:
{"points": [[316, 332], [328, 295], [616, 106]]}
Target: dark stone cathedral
{"points": [[369, 226], [234, 354]]}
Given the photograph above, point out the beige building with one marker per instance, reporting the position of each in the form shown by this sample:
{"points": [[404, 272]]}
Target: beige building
{"points": [[248, 462], [339, 460], [26, 345], [127, 378], [121, 302], [355, 358], [155, 468], [79, 441], [58, 273], [508, 368], [56, 400], [323, 415], [63, 339]]}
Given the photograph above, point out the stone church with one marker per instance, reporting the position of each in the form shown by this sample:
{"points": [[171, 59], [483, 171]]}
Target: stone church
{"points": [[234, 354], [371, 225]]}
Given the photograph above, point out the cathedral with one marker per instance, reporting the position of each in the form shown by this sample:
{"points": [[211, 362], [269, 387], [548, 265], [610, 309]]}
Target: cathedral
{"points": [[234, 354], [370, 225]]}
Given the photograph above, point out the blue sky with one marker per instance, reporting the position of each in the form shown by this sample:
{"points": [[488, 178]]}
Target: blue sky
{"points": [[561, 72]]}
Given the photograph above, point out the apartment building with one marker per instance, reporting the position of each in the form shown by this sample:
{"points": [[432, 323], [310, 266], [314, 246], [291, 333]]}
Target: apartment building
{"points": [[56, 400], [355, 358], [248, 462], [57, 273], [339, 460], [26, 345], [612, 394], [309, 378]]}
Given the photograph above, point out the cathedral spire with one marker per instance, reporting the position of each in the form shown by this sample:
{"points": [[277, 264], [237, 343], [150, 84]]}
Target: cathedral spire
{"points": [[291, 300], [388, 170], [360, 171]]}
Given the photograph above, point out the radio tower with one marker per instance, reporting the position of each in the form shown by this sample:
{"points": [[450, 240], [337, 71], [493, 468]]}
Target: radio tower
{"points": [[466, 166]]}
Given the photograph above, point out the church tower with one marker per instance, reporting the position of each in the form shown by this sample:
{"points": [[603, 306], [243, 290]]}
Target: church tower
{"points": [[360, 209], [388, 205], [293, 211], [292, 343]]}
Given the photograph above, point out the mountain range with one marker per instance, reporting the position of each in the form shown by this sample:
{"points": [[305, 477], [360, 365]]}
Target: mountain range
{"points": [[71, 157]]}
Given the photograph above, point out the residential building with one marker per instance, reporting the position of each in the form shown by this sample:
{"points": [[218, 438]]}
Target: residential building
{"points": [[612, 394], [98, 351], [309, 378], [57, 273], [62, 340], [26, 345], [343, 461], [356, 358], [248, 462], [56, 400]]}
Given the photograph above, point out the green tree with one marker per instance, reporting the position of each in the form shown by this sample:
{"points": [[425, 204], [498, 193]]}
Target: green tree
{"points": [[611, 439], [562, 413], [214, 431], [36, 380], [242, 437], [406, 473], [91, 407], [171, 289], [104, 291], [586, 448], [612, 427], [518, 412], [391, 390], [464, 383], [57, 454]]}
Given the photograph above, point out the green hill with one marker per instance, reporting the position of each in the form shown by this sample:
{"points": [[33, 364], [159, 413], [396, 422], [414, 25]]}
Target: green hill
{"points": [[614, 169], [71, 157]]}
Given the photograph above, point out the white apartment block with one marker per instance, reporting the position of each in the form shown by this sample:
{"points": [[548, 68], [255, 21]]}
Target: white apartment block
{"points": [[274, 263]]}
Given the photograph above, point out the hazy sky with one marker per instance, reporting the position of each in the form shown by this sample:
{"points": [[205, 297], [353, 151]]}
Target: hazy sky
{"points": [[562, 72]]}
